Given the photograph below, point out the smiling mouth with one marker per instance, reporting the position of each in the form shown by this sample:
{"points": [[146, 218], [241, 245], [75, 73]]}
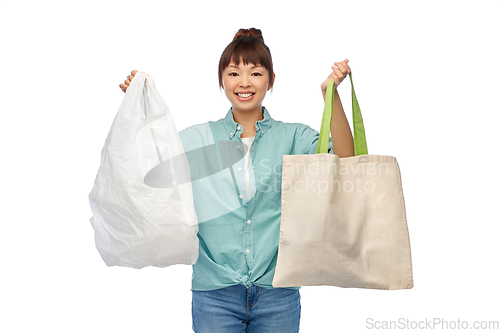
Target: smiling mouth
{"points": [[245, 95]]}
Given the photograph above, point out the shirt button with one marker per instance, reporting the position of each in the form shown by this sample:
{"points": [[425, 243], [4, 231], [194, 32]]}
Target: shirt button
{"points": [[253, 168], [238, 147], [238, 127], [239, 169], [253, 192], [231, 134], [248, 221], [247, 251], [241, 196]]}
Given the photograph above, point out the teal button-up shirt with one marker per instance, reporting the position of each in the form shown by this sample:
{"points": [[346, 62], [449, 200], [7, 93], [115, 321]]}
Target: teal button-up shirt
{"points": [[239, 235]]}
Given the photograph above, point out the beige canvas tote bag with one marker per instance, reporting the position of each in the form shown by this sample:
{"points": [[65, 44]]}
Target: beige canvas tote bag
{"points": [[343, 220]]}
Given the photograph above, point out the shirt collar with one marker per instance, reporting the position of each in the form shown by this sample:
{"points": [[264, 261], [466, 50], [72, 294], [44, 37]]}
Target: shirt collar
{"points": [[262, 126]]}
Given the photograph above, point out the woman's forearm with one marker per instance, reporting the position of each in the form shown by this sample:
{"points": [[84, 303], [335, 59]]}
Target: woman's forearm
{"points": [[342, 141]]}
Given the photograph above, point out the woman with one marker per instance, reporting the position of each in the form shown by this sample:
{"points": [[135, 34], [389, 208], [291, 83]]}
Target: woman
{"points": [[239, 204]]}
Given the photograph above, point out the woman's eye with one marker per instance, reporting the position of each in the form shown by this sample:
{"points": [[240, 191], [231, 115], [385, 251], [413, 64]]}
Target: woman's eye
{"points": [[233, 74], [257, 74]]}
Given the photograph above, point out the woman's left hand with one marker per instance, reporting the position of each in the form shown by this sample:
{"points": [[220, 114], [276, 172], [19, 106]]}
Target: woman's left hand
{"points": [[339, 73]]}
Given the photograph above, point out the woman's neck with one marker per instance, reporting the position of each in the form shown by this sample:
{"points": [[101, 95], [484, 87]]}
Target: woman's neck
{"points": [[247, 119]]}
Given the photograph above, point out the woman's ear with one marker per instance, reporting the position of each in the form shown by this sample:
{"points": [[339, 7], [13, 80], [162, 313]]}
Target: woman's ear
{"points": [[272, 84]]}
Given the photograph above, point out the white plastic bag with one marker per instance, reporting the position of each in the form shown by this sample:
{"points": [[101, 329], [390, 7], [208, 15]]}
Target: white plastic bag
{"points": [[138, 224]]}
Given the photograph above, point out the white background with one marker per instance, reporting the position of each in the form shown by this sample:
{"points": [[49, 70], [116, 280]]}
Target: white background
{"points": [[427, 78]]}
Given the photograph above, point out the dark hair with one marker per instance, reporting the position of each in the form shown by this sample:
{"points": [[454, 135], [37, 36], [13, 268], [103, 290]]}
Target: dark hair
{"points": [[247, 46]]}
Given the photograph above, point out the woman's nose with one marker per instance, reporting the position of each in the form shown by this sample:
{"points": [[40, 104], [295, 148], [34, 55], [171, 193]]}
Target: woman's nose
{"points": [[244, 82]]}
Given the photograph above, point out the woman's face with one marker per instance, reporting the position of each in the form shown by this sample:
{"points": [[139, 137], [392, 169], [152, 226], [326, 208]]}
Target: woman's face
{"points": [[245, 86]]}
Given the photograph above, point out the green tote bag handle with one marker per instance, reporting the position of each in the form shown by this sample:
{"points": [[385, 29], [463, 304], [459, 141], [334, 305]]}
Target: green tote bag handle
{"points": [[360, 147]]}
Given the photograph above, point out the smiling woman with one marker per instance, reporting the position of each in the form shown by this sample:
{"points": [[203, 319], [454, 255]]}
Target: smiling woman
{"points": [[239, 206], [232, 279]]}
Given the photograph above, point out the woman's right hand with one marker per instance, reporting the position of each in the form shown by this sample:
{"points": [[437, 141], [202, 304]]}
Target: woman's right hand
{"points": [[126, 83]]}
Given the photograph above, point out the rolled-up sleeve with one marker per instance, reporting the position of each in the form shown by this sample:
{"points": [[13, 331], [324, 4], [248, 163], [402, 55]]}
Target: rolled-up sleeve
{"points": [[307, 140]]}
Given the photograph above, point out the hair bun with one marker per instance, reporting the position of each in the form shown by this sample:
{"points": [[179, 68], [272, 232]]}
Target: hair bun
{"points": [[252, 32]]}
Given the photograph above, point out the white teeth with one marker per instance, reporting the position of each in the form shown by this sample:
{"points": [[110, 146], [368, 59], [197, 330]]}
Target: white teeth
{"points": [[245, 95]]}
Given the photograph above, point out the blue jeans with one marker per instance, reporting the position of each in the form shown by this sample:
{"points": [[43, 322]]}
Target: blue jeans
{"points": [[237, 309]]}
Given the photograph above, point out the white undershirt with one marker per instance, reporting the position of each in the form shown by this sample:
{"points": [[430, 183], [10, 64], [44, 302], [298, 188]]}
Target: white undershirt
{"points": [[248, 142]]}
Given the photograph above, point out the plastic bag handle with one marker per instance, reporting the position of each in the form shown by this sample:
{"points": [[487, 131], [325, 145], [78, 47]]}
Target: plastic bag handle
{"points": [[360, 147], [144, 84], [138, 84]]}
